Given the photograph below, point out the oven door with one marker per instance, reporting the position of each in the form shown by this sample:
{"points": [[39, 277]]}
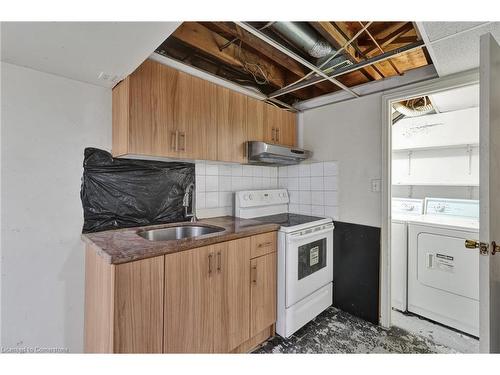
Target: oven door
{"points": [[309, 261]]}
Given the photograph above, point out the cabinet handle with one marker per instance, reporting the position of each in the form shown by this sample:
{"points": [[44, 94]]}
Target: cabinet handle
{"points": [[210, 256], [219, 266], [183, 135], [277, 135], [254, 275], [265, 244], [174, 141], [273, 132]]}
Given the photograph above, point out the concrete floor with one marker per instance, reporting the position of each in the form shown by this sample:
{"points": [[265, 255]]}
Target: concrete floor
{"points": [[335, 331]]}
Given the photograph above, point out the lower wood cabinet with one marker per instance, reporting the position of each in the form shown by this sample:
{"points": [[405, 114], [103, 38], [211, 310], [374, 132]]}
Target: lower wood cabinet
{"points": [[263, 293], [215, 299], [207, 298]]}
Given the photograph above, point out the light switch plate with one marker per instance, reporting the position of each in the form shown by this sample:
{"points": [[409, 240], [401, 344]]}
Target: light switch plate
{"points": [[376, 185]]}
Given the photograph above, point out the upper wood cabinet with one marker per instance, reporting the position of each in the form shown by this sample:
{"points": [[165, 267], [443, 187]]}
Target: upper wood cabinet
{"points": [[280, 126], [160, 111], [231, 125], [256, 119]]}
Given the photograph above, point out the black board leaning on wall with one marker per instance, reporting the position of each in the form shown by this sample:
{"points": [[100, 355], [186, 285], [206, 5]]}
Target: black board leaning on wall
{"points": [[120, 193], [356, 270]]}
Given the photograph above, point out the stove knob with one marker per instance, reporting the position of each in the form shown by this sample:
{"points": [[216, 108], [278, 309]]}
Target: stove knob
{"points": [[250, 196], [245, 197]]}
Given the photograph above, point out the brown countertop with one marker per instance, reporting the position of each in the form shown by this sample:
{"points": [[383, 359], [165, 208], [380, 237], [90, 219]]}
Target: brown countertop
{"points": [[124, 245]]}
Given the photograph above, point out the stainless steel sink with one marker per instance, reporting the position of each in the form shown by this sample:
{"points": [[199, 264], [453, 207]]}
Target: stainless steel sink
{"points": [[177, 233]]}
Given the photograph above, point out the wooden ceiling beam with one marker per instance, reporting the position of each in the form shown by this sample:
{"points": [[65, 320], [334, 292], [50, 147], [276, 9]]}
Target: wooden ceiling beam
{"points": [[258, 45], [338, 40], [390, 38], [200, 37]]}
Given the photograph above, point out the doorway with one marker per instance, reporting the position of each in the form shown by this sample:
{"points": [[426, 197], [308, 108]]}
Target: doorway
{"points": [[429, 282]]}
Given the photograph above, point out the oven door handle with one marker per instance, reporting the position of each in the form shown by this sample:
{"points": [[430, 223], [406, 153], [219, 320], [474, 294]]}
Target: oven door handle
{"points": [[312, 234]]}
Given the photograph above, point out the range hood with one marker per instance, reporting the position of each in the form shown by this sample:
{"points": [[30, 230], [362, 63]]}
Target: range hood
{"points": [[267, 153]]}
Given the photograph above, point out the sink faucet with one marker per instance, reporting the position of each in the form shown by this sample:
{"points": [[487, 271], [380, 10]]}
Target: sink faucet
{"points": [[185, 202]]}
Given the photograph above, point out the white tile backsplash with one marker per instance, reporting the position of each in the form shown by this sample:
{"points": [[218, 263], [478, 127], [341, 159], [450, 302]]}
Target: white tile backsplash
{"points": [[216, 184], [313, 188], [211, 169], [212, 183]]}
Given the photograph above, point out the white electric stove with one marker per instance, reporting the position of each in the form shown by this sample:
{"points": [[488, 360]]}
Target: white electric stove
{"points": [[305, 256]]}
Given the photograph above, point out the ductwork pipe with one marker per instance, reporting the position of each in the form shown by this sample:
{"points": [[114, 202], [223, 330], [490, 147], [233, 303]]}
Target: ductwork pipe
{"points": [[413, 112], [305, 37]]}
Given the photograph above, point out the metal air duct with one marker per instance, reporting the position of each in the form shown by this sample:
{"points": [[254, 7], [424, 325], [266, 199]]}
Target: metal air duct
{"points": [[305, 37]]}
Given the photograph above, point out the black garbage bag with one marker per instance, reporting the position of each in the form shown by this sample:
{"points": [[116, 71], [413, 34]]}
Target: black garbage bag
{"points": [[120, 193]]}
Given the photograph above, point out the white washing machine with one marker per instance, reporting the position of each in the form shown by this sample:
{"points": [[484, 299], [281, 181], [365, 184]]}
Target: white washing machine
{"points": [[403, 209], [443, 276]]}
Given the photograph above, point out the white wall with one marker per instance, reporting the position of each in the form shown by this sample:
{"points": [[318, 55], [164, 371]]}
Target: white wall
{"points": [[350, 133], [47, 121]]}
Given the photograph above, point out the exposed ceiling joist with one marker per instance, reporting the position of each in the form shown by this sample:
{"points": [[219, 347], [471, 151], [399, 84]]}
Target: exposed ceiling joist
{"points": [[337, 39], [294, 56], [209, 42], [247, 52], [371, 61], [390, 38]]}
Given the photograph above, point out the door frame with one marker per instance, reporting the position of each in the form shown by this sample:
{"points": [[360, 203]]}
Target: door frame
{"points": [[419, 89]]}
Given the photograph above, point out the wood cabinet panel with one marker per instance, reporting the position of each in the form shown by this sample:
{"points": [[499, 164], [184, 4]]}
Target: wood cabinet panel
{"points": [[138, 302], [263, 244], [160, 111], [288, 129], [189, 305], [99, 303], [153, 91], [232, 315], [280, 126], [271, 123], [263, 293], [256, 110], [232, 125], [202, 141]]}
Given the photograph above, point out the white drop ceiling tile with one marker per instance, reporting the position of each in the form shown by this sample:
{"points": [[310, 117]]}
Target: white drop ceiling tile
{"points": [[456, 99], [438, 30], [461, 52]]}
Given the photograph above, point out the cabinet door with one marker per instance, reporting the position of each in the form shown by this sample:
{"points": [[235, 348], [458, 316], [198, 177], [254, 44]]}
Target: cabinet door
{"points": [[255, 119], [263, 293], [232, 311], [196, 118], [152, 99], [272, 121], [189, 309], [232, 130], [288, 129], [138, 306]]}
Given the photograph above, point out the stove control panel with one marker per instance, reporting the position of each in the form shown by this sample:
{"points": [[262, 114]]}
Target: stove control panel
{"points": [[255, 198], [254, 203]]}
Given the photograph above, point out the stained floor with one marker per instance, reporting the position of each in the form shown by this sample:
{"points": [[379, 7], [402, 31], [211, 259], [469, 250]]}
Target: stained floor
{"points": [[335, 331], [435, 332]]}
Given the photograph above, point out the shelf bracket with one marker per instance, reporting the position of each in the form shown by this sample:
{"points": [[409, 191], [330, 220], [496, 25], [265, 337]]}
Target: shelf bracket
{"points": [[469, 152], [410, 153]]}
